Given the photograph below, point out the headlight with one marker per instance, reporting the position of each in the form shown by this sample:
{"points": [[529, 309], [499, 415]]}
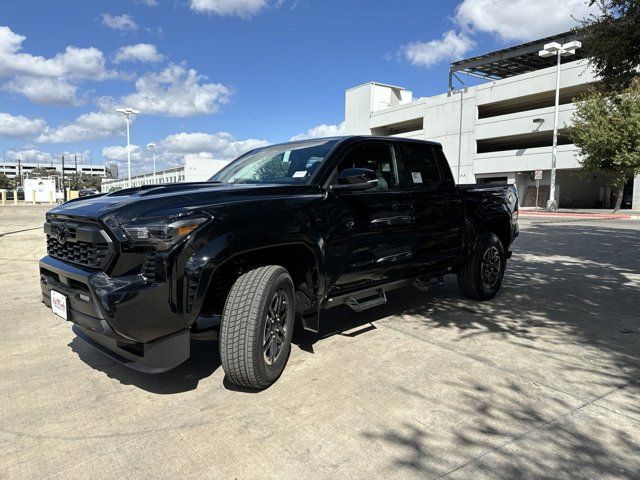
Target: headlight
{"points": [[161, 233]]}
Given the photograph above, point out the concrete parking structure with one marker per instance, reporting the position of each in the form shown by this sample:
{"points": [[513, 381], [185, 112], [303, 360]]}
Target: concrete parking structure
{"points": [[501, 129], [541, 381]]}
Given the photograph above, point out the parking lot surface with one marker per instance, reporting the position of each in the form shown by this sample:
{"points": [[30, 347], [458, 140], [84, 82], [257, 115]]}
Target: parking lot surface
{"points": [[541, 382]]}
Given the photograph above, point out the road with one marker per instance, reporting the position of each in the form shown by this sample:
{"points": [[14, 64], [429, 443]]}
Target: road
{"points": [[542, 381]]}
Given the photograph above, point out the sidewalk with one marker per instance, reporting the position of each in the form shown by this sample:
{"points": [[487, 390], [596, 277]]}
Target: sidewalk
{"points": [[586, 214]]}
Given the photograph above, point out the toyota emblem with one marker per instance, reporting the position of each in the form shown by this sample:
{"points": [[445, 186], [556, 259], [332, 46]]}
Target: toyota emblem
{"points": [[60, 234]]}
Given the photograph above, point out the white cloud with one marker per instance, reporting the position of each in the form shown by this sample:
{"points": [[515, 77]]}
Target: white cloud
{"points": [[48, 80], [221, 145], [509, 20], [19, 126], [119, 22], [119, 154], [319, 131], [174, 149], [80, 63], [11, 61], [47, 91], [176, 92], [34, 155], [240, 8], [451, 46], [31, 155], [90, 126], [83, 63], [522, 19], [141, 52], [149, 3]]}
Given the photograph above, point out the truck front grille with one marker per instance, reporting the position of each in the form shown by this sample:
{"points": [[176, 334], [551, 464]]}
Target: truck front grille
{"points": [[82, 244]]}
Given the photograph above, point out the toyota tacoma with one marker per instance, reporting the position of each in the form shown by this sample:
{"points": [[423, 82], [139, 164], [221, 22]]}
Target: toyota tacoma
{"points": [[273, 240]]}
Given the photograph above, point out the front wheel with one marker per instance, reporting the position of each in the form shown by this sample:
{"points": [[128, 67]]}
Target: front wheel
{"points": [[257, 326], [481, 276]]}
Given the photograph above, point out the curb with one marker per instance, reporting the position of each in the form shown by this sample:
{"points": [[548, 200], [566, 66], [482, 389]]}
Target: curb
{"points": [[582, 216]]}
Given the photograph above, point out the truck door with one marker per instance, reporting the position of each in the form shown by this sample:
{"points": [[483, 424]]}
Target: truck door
{"points": [[437, 204], [370, 237]]}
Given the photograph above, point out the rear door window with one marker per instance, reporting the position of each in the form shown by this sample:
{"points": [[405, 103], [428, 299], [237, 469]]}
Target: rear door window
{"points": [[419, 165]]}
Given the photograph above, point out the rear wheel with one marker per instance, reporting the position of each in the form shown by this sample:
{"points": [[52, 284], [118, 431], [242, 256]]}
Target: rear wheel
{"points": [[481, 276], [257, 326]]}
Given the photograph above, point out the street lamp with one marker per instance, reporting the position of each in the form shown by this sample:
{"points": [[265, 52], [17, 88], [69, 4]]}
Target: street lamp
{"points": [[551, 49], [127, 112], [152, 146]]}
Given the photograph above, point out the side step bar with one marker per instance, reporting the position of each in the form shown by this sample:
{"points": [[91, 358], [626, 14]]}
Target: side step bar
{"points": [[362, 304], [359, 301], [376, 296]]}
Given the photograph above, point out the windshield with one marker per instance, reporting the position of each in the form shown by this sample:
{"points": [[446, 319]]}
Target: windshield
{"points": [[288, 163]]}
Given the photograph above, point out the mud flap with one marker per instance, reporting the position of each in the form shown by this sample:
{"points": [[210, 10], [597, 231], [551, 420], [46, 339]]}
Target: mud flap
{"points": [[311, 321]]}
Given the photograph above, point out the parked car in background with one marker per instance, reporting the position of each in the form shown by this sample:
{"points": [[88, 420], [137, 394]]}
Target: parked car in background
{"points": [[86, 192], [282, 233], [11, 194]]}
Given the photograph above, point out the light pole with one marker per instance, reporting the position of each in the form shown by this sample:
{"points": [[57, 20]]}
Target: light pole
{"points": [[127, 112], [551, 49], [152, 146]]}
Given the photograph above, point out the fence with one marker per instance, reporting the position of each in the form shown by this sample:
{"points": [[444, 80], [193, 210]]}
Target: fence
{"points": [[13, 197]]}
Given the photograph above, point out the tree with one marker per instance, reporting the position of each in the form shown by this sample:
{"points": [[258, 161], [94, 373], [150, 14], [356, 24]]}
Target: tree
{"points": [[606, 129], [612, 41], [40, 172], [6, 183], [82, 180]]}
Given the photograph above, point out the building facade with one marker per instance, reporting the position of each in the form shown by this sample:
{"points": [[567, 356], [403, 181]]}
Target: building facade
{"points": [[194, 170], [22, 169], [500, 130]]}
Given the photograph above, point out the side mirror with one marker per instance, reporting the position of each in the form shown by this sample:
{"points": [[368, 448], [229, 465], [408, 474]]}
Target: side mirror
{"points": [[351, 179]]}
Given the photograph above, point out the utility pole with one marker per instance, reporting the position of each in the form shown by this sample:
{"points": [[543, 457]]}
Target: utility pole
{"points": [[77, 180], [127, 112], [64, 189], [152, 147], [19, 173], [550, 50]]}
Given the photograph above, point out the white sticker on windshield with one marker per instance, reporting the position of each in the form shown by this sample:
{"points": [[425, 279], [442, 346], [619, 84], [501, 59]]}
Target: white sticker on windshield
{"points": [[416, 177], [299, 174]]}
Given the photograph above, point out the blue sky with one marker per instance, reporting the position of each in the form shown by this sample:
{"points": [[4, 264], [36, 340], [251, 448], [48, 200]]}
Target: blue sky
{"points": [[216, 77]]}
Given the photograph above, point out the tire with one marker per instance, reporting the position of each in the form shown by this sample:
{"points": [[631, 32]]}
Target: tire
{"points": [[259, 311], [487, 258]]}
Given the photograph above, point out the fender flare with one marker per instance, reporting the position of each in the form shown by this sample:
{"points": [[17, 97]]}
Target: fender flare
{"points": [[202, 266]]}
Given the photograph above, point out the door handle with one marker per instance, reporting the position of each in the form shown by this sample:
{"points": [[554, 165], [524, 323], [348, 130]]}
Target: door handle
{"points": [[401, 206]]}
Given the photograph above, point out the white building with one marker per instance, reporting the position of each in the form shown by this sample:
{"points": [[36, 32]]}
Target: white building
{"points": [[13, 169], [194, 170], [500, 130]]}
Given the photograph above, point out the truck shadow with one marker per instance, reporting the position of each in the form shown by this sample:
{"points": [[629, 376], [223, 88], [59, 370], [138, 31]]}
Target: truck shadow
{"points": [[204, 360]]}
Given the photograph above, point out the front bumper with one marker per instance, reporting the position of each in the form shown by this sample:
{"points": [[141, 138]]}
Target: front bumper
{"points": [[126, 317]]}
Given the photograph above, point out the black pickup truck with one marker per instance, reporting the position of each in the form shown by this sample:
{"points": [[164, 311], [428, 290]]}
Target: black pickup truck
{"points": [[276, 238]]}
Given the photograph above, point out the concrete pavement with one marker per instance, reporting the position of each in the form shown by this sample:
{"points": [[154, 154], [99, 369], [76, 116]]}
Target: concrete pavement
{"points": [[541, 382]]}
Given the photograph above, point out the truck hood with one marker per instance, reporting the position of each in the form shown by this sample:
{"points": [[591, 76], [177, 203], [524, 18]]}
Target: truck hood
{"points": [[152, 200]]}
